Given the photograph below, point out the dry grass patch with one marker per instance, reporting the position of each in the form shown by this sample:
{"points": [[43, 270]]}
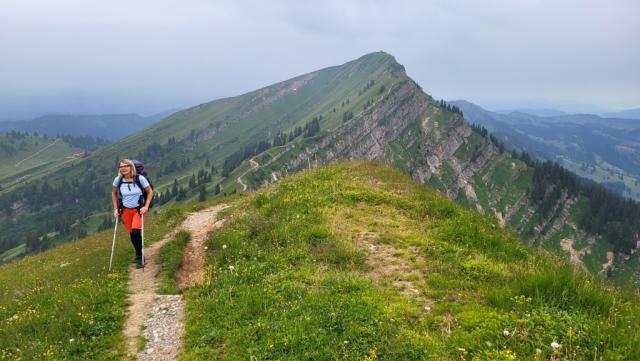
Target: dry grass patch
{"points": [[381, 232]]}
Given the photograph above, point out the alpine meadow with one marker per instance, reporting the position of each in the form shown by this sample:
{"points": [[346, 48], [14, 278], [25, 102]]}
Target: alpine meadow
{"points": [[359, 218]]}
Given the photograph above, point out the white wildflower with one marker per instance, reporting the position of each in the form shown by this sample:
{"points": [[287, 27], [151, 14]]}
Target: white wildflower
{"points": [[538, 351], [506, 332], [555, 345], [224, 246], [72, 340], [231, 268]]}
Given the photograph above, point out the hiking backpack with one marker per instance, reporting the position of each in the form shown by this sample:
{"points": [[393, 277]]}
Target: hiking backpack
{"points": [[140, 170]]}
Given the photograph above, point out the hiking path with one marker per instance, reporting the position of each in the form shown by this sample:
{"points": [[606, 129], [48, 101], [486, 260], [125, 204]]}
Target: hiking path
{"points": [[160, 318]]}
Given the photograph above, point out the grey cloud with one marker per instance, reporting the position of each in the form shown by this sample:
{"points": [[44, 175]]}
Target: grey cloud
{"points": [[150, 55]]}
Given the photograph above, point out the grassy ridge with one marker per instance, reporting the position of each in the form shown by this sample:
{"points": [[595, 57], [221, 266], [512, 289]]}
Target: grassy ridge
{"points": [[63, 304], [356, 261]]}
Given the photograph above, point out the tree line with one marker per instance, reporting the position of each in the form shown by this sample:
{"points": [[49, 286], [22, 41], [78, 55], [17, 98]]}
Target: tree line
{"points": [[449, 107], [615, 218], [603, 212]]}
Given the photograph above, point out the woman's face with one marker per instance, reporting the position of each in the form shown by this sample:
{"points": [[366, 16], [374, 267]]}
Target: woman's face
{"points": [[125, 169]]}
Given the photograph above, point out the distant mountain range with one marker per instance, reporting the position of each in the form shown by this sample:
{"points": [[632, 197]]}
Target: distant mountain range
{"points": [[107, 126], [626, 114], [548, 112], [537, 112], [605, 150]]}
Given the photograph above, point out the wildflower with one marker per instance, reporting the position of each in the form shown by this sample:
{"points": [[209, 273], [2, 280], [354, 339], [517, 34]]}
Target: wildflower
{"points": [[538, 351], [231, 268], [506, 332], [72, 340], [555, 345], [224, 246], [509, 355]]}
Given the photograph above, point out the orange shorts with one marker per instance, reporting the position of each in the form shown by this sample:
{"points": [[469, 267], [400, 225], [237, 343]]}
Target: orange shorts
{"points": [[131, 219]]}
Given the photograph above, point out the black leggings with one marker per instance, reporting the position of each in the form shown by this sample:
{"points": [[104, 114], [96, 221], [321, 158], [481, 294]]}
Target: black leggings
{"points": [[136, 240]]}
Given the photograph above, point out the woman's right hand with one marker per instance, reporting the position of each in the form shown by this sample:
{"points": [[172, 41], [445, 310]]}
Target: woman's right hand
{"points": [[116, 213]]}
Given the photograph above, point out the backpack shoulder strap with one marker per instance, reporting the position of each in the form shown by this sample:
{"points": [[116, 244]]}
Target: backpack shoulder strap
{"points": [[136, 180], [120, 180], [143, 196]]}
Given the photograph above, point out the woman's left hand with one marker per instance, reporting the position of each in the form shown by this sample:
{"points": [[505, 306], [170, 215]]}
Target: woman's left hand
{"points": [[144, 210]]}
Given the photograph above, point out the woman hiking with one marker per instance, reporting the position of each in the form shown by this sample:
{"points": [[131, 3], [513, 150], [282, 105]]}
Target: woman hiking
{"points": [[130, 204]]}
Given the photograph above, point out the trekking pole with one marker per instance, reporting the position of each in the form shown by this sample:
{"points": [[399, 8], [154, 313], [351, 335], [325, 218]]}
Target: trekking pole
{"points": [[142, 234], [113, 244]]}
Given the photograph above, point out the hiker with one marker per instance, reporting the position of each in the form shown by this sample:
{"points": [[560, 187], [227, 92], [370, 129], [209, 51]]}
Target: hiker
{"points": [[130, 204]]}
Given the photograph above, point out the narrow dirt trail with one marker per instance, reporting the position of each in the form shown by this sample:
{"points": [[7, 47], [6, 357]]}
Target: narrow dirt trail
{"points": [[162, 316], [192, 270], [244, 186], [254, 165]]}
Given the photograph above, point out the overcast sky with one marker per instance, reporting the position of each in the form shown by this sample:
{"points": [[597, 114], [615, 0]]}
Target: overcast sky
{"points": [[149, 55]]}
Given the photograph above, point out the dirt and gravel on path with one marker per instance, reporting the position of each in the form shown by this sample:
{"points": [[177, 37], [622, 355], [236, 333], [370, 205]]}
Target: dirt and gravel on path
{"points": [[162, 316], [192, 270], [243, 184]]}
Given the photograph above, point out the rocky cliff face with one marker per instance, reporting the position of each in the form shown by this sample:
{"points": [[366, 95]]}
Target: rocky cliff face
{"points": [[368, 134]]}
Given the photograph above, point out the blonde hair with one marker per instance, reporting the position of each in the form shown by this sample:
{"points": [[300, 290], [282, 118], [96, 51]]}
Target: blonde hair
{"points": [[128, 162]]}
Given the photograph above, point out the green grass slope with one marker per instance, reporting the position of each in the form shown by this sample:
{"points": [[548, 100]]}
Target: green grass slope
{"points": [[63, 304], [356, 261], [22, 156]]}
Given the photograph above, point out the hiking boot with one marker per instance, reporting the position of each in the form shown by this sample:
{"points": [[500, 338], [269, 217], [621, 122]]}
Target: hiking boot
{"points": [[139, 263]]}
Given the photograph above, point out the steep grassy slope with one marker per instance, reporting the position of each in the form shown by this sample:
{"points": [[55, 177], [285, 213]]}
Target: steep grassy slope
{"points": [[63, 305], [357, 261]]}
